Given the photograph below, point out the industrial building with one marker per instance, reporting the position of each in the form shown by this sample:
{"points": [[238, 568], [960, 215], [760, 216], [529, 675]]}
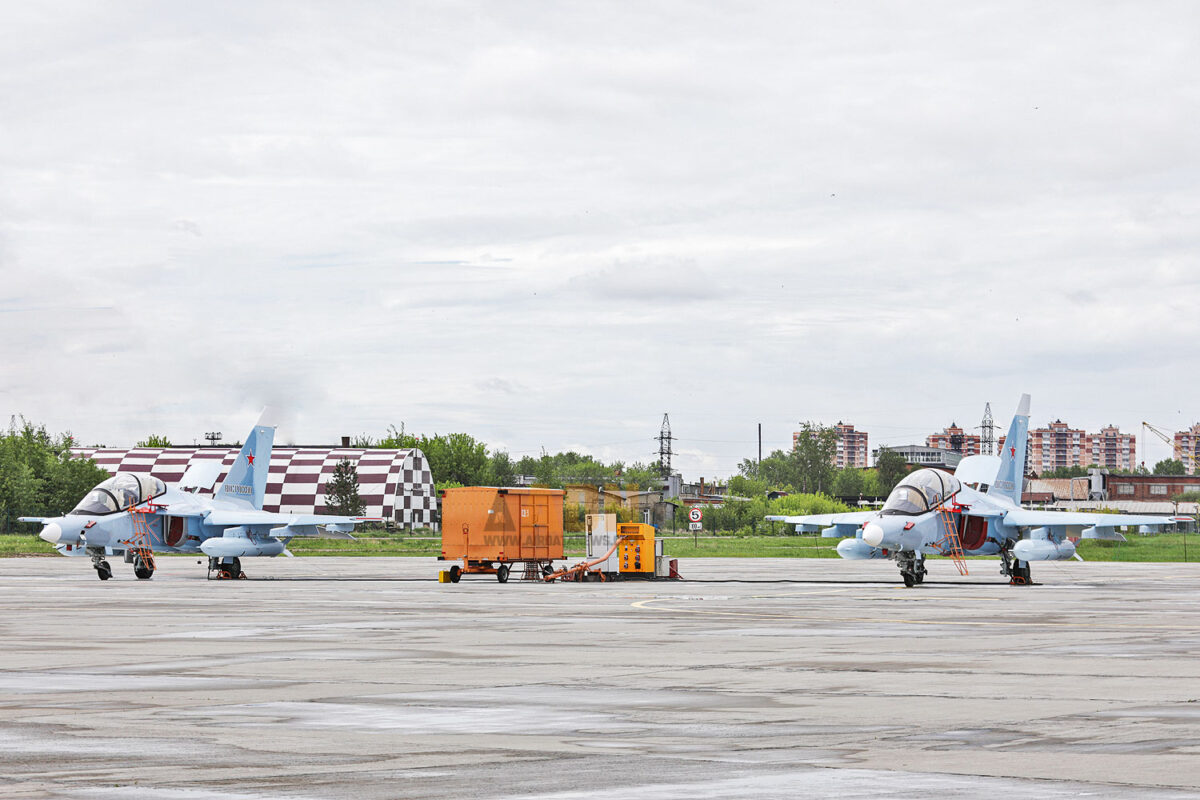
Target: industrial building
{"points": [[1149, 487], [393, 484], [916, 455]]}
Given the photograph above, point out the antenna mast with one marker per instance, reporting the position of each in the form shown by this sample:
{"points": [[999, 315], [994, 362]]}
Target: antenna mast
{"points": [[987, 441], [213, 437], [664, 447]]}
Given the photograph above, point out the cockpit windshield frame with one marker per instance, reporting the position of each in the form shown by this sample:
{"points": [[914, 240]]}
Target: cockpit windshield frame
{"points": [[121, 492], [920, 492]]}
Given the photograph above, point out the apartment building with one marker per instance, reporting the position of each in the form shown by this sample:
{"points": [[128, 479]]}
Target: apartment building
{"points": [[955, 439]]}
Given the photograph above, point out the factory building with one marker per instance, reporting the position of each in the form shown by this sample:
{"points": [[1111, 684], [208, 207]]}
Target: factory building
{"points": [[393, 484]]}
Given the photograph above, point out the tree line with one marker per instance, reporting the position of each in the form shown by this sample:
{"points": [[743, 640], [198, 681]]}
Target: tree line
{"points": [[1168, 466], [808, 469], [459, 459], [38, 476]]}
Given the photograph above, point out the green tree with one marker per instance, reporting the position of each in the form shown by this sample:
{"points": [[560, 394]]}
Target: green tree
{"points": [[455, 458], [1068, 472], [848, 482], [743, 486], [813, 454], [500, 470], [341, 493], [777, 470], [891, 467], [871, 487], [1169, 466], [38, 475], [154, 440]]}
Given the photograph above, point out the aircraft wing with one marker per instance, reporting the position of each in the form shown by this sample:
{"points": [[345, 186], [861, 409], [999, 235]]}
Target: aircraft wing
{"points": [[287, 524], [1028, 518], [830, 525]]}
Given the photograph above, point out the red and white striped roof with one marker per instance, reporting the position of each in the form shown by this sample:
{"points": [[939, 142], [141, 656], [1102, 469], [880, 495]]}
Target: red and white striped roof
{"points": [[393, 484]]}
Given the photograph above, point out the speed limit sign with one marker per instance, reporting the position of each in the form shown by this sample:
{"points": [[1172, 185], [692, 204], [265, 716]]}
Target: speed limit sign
{"points": [[695, 515]]}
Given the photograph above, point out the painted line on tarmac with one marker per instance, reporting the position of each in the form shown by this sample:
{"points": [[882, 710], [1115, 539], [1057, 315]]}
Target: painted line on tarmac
{"points": [[644, 605]]}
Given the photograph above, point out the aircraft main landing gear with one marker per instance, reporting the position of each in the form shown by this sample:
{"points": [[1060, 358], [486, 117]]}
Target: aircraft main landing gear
{"points": [[1018, 572], [225, 572], [912, 567], [143, 567]]}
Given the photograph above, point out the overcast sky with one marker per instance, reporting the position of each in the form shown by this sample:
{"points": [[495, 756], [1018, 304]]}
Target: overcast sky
{"points": [[546, 224]]}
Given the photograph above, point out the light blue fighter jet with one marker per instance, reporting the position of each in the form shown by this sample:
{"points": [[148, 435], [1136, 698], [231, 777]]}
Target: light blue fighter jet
{"points": [[134, 515], [975, 511]]}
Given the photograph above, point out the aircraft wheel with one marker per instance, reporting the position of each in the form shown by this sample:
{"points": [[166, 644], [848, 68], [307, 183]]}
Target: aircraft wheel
{"points": [[455, 574], [235, 568], [910, 580], [142, 572], [103, 571], [502, 573]]}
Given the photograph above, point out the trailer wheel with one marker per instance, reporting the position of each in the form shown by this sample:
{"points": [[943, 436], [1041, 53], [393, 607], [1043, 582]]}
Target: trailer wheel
{"points": [[455, 573], [502, 573]]}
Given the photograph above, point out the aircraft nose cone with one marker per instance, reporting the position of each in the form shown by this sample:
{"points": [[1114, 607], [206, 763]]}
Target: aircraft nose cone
{"points": [[873, 534], [51, 532]]}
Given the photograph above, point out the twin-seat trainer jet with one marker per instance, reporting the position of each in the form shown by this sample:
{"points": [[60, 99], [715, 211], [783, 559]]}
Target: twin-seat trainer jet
{"points": [[974, 512], [136, 515]]}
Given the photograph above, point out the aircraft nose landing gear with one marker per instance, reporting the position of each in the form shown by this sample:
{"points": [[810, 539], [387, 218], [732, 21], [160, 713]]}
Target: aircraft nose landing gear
{"points": [[103, 570], [912, 567]]}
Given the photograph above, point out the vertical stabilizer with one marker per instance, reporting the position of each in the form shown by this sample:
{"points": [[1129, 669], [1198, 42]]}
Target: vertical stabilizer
{"points": [[246, 482], [1010, 480]]}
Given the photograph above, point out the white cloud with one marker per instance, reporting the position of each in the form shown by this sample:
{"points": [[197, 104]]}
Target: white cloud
{"points": [[549, 224]]}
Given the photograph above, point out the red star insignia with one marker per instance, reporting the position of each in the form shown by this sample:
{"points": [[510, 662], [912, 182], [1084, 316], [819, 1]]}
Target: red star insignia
{"points": [[1012, 451], [250, 458]]}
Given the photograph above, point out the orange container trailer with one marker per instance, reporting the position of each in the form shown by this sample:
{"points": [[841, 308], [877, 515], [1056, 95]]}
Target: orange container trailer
{"points": [[490, 529]]}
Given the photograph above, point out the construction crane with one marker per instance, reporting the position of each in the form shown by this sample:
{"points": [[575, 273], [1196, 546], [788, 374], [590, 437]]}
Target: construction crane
{"points": [[1160, 433]]}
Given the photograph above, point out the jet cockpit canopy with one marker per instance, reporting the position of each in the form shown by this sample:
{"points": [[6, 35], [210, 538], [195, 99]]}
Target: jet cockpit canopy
{"points": [[921, 491], [119, 493]]}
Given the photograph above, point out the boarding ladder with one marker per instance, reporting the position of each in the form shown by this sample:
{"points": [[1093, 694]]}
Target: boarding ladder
{"points": [[950, 545], [140, 543]]}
